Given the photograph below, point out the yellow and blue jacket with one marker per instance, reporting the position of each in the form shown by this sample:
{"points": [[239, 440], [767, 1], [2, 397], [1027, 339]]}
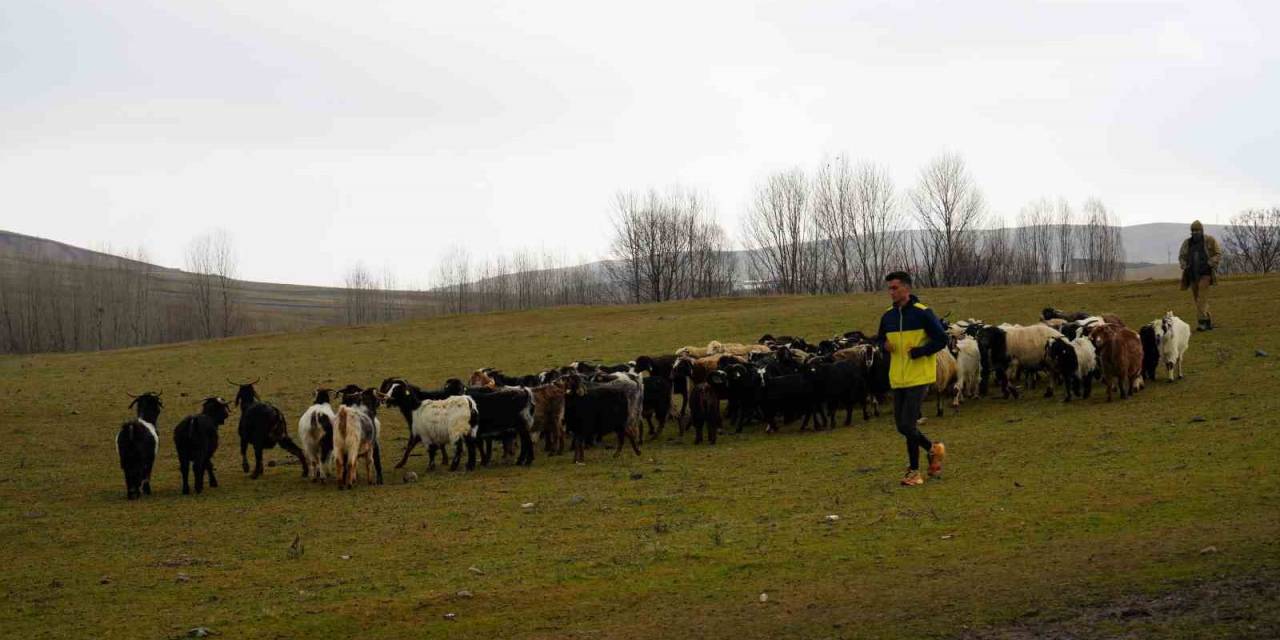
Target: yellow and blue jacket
{"points": [[916, 335]]}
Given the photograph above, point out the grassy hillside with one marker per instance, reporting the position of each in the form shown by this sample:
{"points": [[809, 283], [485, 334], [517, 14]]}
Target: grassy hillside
{"points": [[1048, 515]]}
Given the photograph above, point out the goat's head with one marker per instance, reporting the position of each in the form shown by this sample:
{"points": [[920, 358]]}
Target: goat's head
{"points": [[481, 378], [350, 395], [323, 396], [148, 404], [245, 393], [216, 408]]}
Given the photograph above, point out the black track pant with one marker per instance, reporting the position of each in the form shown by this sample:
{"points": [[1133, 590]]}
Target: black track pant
{"points": [[906, 411]]}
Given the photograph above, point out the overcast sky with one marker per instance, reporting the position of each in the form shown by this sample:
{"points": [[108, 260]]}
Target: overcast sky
{"points": [[319, 133]]}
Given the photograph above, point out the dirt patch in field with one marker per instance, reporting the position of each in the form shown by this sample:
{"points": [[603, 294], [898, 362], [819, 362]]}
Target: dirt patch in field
{"points": [[1227, 608]]}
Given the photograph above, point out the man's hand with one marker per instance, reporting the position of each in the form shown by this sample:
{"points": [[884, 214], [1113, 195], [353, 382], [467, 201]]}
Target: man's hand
{"points": [[888, 346]]}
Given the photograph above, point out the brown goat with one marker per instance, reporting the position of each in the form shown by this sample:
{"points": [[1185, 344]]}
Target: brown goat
{"points": [[1119, 357], [548, 415]]}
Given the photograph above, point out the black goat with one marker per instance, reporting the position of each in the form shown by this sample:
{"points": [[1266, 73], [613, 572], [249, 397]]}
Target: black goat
{"points": [[263, 426], [838, 385], [1150, 351], [745, 392], [137, 443], [592, 410], [789, 395], [657, 403], [196, 439]]}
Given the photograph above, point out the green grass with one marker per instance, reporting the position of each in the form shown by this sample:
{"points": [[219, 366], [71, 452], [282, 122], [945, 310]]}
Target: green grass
{"points": [[1045, 509]]}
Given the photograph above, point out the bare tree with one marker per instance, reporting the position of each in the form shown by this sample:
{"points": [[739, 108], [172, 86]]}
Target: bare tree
{"points": [[835, 216], [1252, 241], [212, 264], [1066, 241], [950, 209], [877, 232], [780, 234], [1101, 243]]}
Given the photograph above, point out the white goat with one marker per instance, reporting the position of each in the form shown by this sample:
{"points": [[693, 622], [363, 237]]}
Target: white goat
{"points": [[1174, 336], [968, 368]]}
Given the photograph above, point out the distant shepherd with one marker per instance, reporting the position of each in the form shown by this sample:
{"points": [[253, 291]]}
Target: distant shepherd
{"points": [[1199, 257]]}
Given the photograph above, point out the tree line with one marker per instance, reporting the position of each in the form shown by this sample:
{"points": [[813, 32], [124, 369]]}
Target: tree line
{"points": [[834, 229]]}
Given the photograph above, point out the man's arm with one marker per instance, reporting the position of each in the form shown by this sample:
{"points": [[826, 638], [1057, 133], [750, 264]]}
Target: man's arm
{"points": [[1212, 251], [937, 336], [1182, 255]]}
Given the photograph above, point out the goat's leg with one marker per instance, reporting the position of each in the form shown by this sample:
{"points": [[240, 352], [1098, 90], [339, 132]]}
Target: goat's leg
{"points": [[146, 478], [185, 464], [244, 453], [457, 455], [431, 457], [634, 445], [526, 448], [377, 461], [413, 442], [471, 453], [621, 434], [199, 470], [257, 461]]}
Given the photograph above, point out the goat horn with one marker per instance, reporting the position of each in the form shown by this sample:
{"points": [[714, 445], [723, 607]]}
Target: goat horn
{"points": [[234, 384], [130, 395], [255, 381]]}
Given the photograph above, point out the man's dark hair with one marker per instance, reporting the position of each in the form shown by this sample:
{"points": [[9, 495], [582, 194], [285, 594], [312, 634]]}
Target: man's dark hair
{"points": [[900, 276]]}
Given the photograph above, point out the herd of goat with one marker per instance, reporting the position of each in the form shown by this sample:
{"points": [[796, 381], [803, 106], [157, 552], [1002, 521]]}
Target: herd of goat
{"points": [[777, 380]]}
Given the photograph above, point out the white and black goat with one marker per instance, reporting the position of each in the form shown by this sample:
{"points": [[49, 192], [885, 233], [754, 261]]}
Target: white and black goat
{"points": [[315, 433], [138, 444]]}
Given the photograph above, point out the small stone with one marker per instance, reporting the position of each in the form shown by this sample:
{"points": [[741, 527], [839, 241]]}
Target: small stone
{"points": [[636, 475], [104, 580], [1017, 484], [833, 518], [200, 632], [527, 505], [182, 577], [75, 412], [464, 594], [410, 477], [949, 536], [475, 570], [1235, 418], [450, 616], [33, 514], [1198, 418], [345, 557], [764, 597], [56, 584], [1208, 550], [1260, 353], [576, 499]]}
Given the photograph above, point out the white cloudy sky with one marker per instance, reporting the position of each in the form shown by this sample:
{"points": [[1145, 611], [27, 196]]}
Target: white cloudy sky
{"points": [[322, 132]]}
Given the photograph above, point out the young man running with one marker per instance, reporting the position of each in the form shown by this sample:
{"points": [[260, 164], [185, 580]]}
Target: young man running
{"points": [[911, 334]]}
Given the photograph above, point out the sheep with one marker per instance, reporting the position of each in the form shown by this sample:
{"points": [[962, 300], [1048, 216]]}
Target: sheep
{"points": [[315, 432], [355, 438], [263, 426], [713, 348], [945, 380], [1019, 349], [1050, 313], [738, 349], [1111, 318], [1120, 358], [745, 392], [138, 444], [196, 439], [875, 367], [1087, 363], [631, 385], [1174, 336], [968, 368], [445, 424]]}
